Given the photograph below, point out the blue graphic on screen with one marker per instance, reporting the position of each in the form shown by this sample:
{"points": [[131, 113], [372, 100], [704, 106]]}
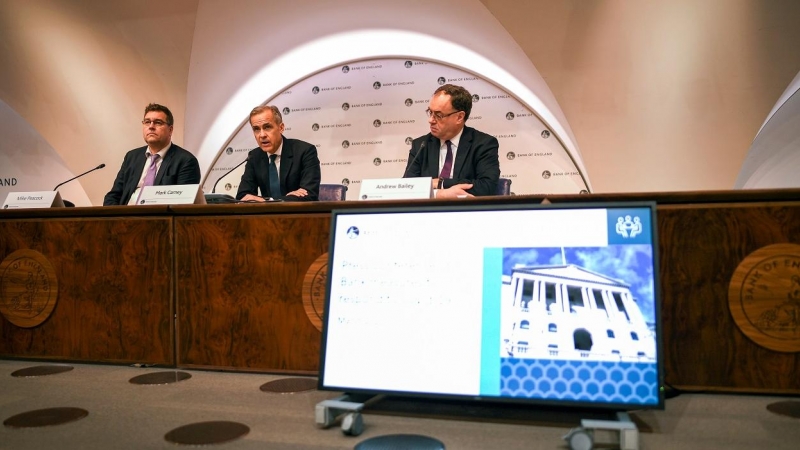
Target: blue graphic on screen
{"points": [[578, 323], [629, 226]]}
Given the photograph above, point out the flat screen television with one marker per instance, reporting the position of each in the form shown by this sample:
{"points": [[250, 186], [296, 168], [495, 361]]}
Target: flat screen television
{"points": [[544, 304]]}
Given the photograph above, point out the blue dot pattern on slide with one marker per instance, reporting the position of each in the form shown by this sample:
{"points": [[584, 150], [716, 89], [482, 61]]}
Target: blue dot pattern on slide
{"points": [[586, 381]]}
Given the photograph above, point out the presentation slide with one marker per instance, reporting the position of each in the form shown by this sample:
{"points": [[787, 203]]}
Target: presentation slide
{"points": [[555, 304]]}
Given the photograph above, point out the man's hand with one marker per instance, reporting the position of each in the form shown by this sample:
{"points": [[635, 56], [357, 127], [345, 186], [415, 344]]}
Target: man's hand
{"points": [[299, 193], [455, 191], [252, 198]]}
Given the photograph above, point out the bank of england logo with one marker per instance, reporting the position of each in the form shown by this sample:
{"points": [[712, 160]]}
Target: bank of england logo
{"points": [[546, 174], [764, 297], [376, 161], [346, 181], [286, 111], [510, 156], [314, 286], [28, 288], [345, 106], [345, 143], [476, 98], [315, 127], [376, 85], [228, 186], [409, 102], [509, 115], [229, 151], [441, 81], [408, 64], [345, 69], [409, 140], [315, 90], [545, 134], [353, 232], [629, 228], [376, 123], [141, 202]]}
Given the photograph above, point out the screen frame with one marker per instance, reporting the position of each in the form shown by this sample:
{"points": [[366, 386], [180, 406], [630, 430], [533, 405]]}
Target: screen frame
{"points": [[467, 207]]}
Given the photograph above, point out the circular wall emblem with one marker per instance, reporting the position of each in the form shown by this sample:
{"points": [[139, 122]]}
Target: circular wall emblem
{"points": [[764, 297], [315, 285], [28, 288]]}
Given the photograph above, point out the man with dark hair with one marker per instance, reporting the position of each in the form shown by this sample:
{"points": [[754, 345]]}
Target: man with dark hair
{"points": [[282, 169], [462, 161], [159, 163]]}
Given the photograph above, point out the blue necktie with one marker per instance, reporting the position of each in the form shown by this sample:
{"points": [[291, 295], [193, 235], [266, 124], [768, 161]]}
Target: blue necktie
{"points": [[274, 181]]}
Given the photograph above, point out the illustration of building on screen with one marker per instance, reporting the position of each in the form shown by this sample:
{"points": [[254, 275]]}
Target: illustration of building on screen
{"points": [[567, 312]]}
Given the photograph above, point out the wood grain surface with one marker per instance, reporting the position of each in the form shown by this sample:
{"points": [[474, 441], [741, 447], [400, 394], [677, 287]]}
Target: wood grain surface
{"points": [[700, 248], [239, 283], [115, 289]]}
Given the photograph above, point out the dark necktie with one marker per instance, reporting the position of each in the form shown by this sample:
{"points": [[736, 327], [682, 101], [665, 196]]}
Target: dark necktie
{"points": [[274, 181], [448, 161]]}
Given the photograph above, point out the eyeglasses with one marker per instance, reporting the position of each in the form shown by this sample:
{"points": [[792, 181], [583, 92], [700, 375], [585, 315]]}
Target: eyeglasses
{"points": [[157, 123], [437, 115]]}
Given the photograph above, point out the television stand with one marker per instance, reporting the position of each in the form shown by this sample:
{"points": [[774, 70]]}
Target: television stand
{"points": [[346, 407], [582, 438]]}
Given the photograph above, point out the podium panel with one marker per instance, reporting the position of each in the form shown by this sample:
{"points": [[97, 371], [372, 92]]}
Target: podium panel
{"points": [[114, 283], [239, 287]]}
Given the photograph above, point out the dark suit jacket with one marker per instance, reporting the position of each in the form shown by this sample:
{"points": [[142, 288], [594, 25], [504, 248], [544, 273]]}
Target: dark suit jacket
{"points": [[179, 167], [299, 168], [477, 161]]}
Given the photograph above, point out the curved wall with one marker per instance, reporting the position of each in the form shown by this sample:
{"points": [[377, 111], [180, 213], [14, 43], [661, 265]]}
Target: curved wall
{"points": [[774, 158], [235, 68], [362, 116]]}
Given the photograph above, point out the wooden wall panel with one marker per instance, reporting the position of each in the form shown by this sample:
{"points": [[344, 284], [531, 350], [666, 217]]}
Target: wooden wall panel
{"points": [[115, 289], [239, 283], [700, 248]]}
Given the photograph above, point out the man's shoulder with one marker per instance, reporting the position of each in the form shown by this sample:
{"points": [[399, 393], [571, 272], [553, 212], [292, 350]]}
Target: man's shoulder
{"points": [[478, 135], [181, 151], [298, 145]]}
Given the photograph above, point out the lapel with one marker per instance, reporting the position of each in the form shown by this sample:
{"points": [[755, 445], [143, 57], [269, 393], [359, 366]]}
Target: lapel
{"points": [[464, 146], [434, 147], [287, 154], [164, 166], [138, 166]]}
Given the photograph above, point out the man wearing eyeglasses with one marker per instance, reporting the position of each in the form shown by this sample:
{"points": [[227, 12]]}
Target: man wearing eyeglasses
{"points": [[462, 161], [159, 163]]}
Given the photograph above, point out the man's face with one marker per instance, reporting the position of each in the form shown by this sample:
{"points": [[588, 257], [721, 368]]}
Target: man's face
{"points": [[156, 132], [448, 127], [266, 131]]}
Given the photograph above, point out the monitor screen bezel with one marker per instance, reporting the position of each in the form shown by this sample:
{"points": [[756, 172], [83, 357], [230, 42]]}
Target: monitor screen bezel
{"points": [[468, 207]]}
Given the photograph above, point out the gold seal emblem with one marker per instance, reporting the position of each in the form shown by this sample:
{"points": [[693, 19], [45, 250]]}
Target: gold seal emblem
{"points": [[28, 288], [764, 297], [315, 285]]}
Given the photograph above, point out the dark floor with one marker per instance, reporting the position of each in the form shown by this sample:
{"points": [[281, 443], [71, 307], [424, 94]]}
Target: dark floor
{"points": [[127, 416]]}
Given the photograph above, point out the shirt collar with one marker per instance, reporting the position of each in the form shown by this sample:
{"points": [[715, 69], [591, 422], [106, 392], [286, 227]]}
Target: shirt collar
{"points": [[161, 153]]}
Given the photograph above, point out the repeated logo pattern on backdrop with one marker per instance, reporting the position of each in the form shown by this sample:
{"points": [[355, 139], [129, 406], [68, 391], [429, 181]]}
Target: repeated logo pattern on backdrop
{"points": [[362, 117]]}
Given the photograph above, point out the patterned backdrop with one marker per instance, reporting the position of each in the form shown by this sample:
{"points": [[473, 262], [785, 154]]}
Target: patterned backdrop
{"points": [[362, 117]]}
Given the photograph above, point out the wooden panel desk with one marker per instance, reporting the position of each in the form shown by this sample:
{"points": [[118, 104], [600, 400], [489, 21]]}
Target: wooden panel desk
{"points": [[114, 272], [237, 272]]}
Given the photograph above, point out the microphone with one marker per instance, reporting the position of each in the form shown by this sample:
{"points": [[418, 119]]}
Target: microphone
{"points": [[84, 173], [214, 189], [422, 148]]}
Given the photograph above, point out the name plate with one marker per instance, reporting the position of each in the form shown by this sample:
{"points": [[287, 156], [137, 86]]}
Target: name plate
{"points": [[43, 199], [180, 194], [396, 188]]}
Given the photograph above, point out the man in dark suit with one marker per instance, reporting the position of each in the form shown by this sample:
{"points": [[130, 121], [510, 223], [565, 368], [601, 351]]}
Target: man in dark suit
{"points": [[462, 161], [159, 163], [285, 169]]}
